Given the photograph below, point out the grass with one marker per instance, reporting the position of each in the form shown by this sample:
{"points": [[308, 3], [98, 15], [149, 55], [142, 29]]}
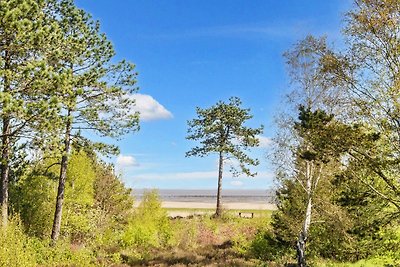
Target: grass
{"points": [[375, 262], [266, 213], [206, 241]]}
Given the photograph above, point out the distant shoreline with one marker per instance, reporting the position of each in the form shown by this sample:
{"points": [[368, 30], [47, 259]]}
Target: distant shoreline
{"points": [[228, 196], [202, 207], [186, 209], [228, 206], [185, 202]]}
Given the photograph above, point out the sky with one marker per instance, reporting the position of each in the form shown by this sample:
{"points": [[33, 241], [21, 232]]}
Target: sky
{"points": [[194, 53]]}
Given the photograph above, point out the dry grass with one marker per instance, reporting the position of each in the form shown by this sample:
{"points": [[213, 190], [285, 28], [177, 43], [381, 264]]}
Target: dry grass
{"points": [[202, 241]]}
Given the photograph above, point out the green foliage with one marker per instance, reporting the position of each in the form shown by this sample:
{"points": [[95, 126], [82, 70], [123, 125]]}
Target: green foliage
{"points": [[112, 199], [150, 226], [37, 190], [355, 211], [80, 179], [33, 199], [220, 129], [25, 82], [266, 247], [373, 262], [79, 215], [15, 247], [96, 94], [62, 254]]}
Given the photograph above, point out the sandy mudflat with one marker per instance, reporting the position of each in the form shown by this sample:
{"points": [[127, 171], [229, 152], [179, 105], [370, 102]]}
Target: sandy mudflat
{"points": [[228, 206], [201, 205]]}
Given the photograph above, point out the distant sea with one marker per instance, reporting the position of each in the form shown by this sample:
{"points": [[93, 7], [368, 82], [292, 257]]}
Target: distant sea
{"points": [[209, 196]]}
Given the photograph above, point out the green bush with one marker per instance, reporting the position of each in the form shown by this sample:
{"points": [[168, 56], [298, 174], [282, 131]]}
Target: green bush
{"points": [[150, 226], [266, 247], [15, 247], [373, 262], [62, 254], [19, 250], [33, 198]]}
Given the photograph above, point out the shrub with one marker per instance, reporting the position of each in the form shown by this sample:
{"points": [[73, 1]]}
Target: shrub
{"points": [[150, 226], [266, 247], [15, 249], [62, 254]]}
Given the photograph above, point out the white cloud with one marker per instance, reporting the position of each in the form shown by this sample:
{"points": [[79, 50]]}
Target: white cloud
{"points": [[290, 30], [265, 142], [178, 176], [237, 183], [205, 175], [124, 161], [150, 109]]}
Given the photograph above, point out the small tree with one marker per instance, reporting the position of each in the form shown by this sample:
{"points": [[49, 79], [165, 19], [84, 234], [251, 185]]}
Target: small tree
{"points": [[220, 130]]}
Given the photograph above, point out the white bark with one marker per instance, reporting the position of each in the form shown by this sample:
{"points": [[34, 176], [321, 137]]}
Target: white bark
{"points": [[301, 243]]}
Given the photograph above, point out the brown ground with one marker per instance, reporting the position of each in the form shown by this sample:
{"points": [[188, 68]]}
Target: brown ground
{"points": [[221, 255], [212, 245]]}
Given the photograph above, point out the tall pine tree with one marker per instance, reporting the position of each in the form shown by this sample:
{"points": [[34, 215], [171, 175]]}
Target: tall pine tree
{"points": [[97, 96]]}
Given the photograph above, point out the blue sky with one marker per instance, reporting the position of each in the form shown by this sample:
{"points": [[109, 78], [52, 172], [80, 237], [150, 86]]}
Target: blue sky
{"points": [[194, 53]]}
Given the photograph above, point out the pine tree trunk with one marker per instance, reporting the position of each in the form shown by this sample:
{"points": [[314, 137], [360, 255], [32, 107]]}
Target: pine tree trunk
{"points": [[5, 155], [218, 212], [61, 183], [5, 152]]}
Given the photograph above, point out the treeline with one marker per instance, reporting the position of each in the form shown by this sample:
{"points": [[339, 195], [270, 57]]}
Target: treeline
{"points": [[337, 152], [61, 90], [100, 226], [59, 87]]}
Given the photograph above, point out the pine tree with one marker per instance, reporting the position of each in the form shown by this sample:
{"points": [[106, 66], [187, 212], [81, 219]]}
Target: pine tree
{"points": [[97, 95], [220, 129], [26, 80]]}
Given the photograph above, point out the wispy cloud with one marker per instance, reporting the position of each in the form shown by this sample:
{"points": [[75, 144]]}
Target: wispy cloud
{"points": [[265, 142], [177, 176], [149, 108], [291, 30], [188, 176]]}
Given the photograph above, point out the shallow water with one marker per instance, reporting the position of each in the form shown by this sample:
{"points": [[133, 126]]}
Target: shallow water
{"points": [[208, 196]]}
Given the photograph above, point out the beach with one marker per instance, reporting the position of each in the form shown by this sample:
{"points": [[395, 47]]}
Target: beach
{"points": [[229, 206], [185, 209], [184, 203]]}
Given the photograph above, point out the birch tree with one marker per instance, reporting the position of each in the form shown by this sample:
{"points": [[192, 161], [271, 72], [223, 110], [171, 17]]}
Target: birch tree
{"points": [[301, 153], [370, 70], [319, 148]]}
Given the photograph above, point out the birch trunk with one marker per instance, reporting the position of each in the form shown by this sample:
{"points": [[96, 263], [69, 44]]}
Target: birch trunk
{"points": [[301, 242]]}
